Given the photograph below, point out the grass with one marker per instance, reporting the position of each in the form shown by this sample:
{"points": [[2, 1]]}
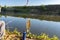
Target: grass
{"points": [[41, 17], [15, 35]]}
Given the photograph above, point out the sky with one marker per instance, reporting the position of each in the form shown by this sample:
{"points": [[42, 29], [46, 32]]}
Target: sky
{"points": [[31, 2]]}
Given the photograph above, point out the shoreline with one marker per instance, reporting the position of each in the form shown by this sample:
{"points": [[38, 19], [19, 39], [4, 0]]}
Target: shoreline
{"points": [[41, 17]]}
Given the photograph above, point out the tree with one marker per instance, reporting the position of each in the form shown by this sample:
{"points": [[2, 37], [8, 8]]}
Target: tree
{"points": [[43, 7]]}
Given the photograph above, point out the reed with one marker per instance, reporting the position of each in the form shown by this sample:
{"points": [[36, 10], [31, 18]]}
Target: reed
{"points": [[15, 35]]}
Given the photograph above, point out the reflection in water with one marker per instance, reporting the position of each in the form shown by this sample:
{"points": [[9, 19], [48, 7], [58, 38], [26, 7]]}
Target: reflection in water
{"points": [[37, 26]]}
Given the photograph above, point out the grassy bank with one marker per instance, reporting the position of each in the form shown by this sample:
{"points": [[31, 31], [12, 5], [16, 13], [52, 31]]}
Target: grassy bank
{"points": [[15, 35], [36, 16], [41, 17]]}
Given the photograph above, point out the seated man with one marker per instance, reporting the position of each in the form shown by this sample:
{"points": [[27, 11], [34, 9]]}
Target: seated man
{"points": [[2, 29]]}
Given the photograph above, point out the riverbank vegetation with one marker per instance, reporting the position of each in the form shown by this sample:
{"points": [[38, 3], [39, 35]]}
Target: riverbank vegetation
{"points": [[15, 35], [40, 10], [43, 12], [40, 17]]}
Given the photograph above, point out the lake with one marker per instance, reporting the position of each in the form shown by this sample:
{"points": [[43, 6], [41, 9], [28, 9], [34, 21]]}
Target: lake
{"points": [[37, 26]]}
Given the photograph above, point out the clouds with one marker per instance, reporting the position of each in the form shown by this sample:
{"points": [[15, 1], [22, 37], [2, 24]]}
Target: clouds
{"points": [[31, 2], [12, 2], [52, 2], [44, 2]]}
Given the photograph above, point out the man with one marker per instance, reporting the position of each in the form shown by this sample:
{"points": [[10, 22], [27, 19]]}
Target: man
{"points": [[2, 29]]}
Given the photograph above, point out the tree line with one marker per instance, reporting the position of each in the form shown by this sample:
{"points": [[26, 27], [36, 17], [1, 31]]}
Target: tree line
{"points": [[41, 10]]}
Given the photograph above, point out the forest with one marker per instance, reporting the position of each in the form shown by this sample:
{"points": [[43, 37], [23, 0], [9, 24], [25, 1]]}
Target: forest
{"points": [[39, 10]]}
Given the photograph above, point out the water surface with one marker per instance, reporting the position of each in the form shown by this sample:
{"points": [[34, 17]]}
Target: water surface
{"points": [[37, 26]]}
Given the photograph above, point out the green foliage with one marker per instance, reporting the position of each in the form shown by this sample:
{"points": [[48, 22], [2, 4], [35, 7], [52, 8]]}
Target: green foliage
{"points": [[18, 36], [16, 32], [42, 36], [54, 38], [30, 35], [43, 7]]}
